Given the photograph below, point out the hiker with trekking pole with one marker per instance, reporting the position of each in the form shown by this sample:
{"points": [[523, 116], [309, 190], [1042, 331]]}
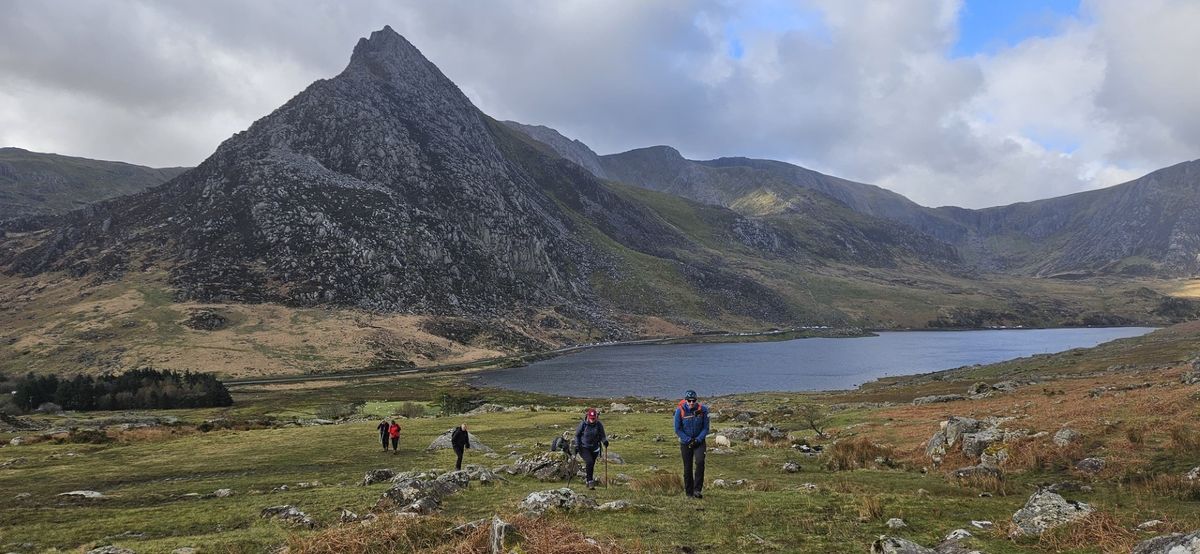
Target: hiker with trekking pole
{"points": [[691, 426], [590, 442]]}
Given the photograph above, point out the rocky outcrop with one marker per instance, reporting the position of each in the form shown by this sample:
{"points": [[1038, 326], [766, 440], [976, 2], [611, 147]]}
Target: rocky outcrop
{"points": [[1046, 510], [1175, 543], [377, 476], [745, 434], [548, 466], [564, 499], [1066, 436], [938, 398]]}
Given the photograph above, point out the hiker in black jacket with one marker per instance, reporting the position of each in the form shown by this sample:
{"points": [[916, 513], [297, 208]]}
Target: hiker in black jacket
{"points": [[460, 441], [589, 439], [383, 433]]}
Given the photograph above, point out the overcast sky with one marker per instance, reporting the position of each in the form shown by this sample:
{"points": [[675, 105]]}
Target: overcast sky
{"points": [[947, 102]]}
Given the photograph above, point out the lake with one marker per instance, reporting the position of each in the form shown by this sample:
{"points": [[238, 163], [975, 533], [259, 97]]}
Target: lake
{"points": [[797, 365]]}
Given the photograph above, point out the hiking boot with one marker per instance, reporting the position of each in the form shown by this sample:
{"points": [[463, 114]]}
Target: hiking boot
{"points": [[697, 495], [591, 484]]}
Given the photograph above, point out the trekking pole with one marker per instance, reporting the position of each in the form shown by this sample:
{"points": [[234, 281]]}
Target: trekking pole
{"points": [[605, 468]]}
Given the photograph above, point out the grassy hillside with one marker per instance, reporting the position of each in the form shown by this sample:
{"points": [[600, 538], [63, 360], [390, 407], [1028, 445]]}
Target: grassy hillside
{"points": [[155, 477], [32, 183]]}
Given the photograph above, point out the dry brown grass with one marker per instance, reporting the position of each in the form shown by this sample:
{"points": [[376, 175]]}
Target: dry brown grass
{"points": [[665, 483], [1136, 435], [401, 534], [1099, 530], [1169, 486], [856, 453], [1028, 455], [870, 508], [997, 486], [1185, 439]]}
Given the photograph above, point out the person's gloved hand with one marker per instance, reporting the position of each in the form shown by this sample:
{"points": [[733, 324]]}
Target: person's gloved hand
{"points": [[605, 443]]}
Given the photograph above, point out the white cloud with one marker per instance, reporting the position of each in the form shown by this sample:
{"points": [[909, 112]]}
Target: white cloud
{"points": [[863, 90]]}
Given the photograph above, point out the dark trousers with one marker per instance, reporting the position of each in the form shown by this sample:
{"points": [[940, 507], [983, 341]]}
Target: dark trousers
{"points": [[693, 485], [383, 439], [395, 441], [589, 459], [458, 451]]}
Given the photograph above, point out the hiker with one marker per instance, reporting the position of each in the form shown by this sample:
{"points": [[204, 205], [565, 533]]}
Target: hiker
{"points": [[383, 433], [460, 441], [691, 426], [589, 439], [394, 434]]}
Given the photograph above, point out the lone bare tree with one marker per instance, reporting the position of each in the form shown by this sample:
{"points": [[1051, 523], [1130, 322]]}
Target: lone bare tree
{"points": [[815, 415]]}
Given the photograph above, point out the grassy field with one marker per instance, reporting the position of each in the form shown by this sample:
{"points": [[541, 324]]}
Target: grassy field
{"points": [[155, 478]]}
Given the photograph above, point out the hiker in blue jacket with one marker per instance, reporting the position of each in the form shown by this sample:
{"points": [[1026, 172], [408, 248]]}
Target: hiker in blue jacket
{"points": [[691, 426], [589, 439]]}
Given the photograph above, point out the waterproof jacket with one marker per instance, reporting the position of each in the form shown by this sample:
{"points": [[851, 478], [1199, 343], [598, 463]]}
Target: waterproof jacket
{"points": [[394, 431], [383, 428], [691, 425], [460, 438], [589, 436]]}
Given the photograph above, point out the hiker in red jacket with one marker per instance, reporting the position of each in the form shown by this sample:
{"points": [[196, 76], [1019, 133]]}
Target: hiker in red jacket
{"points": [[394, 434]]}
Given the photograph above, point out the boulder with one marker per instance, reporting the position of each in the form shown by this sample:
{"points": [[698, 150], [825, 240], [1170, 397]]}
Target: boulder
{"points": [[615, 458], [443, 442], [746, 434], [424, 505], [487, 409], [377, 476], [614, 506], [721, 440], [1193, 475], [791, 467], [547, 466], [1090, 465], [897, 545], [958, 535], [89, 495], [1066, 436], [405, 494], [993, 457], [619, 408], [982, 524], [1046, 510], [1006, 386], [1150, 525], [896, 523], [938, 398], [223, 493], [288, 514], [978, 388], [503, 536], [537, 503], [1175, 543], [110, 549], [973, 444], [16, 441], [956, 427]]}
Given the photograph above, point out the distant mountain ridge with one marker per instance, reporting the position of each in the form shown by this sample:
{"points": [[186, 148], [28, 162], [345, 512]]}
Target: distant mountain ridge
{"points": [[35, 184], [1149, 226]]}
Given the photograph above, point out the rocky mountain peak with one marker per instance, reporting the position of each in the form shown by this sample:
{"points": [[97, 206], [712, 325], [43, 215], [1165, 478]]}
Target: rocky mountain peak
{"points": [[388, 56]]}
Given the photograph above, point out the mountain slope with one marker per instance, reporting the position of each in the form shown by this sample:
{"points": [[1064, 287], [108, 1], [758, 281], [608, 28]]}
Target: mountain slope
{"points": [[32, 183], [1149, 226]]}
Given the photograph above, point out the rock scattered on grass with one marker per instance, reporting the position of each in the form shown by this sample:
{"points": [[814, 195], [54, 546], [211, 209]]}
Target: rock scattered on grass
{"points": [[938, 398], [614, 506], [1066, 436], [289, 514], [1090, 465], [538, 503], [89, 495], [896, 523], [1193, 475], [791, 467], [1149, 525], [377, 476], [223, 493], [982, 524], [503, 536], [110, 549], [1046, 510], [897, 545]]}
